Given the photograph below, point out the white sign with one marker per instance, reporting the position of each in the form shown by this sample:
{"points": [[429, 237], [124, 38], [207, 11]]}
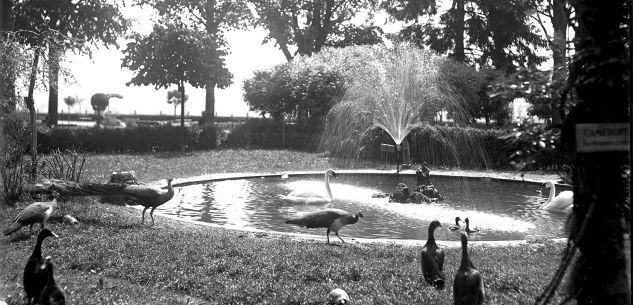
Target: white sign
{"points": [[602, 137]]}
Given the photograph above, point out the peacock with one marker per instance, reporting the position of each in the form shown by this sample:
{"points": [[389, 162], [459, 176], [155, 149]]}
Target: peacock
{"points": [[37, 212], [148, 196], [332, 219]]}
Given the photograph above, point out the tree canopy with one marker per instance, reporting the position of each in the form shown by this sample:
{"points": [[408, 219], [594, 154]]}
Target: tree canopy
{"points": [[311, 25]]}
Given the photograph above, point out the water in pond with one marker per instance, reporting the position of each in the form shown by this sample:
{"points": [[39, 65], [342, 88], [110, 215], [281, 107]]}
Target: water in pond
{"points": [[502, 210]]}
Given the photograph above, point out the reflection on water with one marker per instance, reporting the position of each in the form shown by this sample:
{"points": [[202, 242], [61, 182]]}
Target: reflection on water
{"points": [[502, 210]]}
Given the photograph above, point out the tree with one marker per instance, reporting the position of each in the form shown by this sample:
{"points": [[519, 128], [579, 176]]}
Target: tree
{"points": [[100, 102], [488, 33], [174, 55], [601, 174], [68, 25], [70, 101], [174, 98], [311, 25], [211, 18]]}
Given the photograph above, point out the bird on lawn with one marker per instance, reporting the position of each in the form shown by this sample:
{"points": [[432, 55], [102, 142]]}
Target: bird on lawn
{"points": [[563, 202], [51, 294], [149, 197], [456, 226], [338, 296], [312, 197], [332, 219], [34, 280], [468, 286], [432, 259], [468, 229], [36, 212]]}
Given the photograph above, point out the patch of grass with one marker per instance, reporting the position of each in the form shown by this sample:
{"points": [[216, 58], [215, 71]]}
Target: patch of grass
{"points": [[111, 259]]}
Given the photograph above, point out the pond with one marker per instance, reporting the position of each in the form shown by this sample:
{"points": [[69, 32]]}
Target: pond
{"points": [[501, 209]]}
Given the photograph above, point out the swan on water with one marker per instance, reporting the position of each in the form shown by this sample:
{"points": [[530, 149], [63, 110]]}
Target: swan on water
{"points": [[306, 196], [563, 202]]}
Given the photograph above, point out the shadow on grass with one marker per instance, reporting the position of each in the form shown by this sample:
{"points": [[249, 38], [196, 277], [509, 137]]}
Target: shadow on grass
{"points": [[21, 236]]}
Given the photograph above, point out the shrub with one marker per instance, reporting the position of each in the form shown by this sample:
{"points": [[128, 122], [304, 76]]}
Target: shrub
{"points": [[137, 139], [270, 134]]}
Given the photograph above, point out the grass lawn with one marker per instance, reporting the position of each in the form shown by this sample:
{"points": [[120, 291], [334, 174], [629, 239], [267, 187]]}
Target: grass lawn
{"points": [[111, 259]]}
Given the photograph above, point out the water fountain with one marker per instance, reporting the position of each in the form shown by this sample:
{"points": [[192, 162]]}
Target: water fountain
{"points": [[405, 89]]}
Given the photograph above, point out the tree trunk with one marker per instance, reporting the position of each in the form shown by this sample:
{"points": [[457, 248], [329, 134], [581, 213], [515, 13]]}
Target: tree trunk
{"points": [[30, 104], [181, 89], [560, 19], [53, 84], [460, 14], [600, 178], [209, 107]]}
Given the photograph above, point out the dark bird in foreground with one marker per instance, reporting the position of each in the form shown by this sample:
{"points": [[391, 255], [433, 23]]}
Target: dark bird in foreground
{"points": [[36, 212], [51, 294], [456, 226], [332, 219], [468, 229], [34, 279], [149, 197], [432, 259], [468, 287]]}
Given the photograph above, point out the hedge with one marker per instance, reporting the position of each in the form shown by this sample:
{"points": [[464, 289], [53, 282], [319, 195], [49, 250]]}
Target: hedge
{"points": [[137, 139]]}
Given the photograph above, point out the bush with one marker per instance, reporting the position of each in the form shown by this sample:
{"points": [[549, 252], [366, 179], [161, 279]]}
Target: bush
{"points": [[270, 134], [137, 139]]}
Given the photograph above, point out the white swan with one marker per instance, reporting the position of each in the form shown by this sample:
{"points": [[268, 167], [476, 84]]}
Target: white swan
{"points": [[563, 202], [304, 196]]}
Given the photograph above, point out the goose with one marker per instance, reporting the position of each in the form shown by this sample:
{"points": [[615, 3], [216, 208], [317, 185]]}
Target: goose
{"points": [[305, 196], [34, 280], [51, 294], [332, 219], [468, 286], [36, 212], [563, 202], [149, 197], [456, 226], [468, 229], [432, 259]]}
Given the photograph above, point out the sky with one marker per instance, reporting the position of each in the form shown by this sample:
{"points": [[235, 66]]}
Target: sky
{"points": [[104, 74]]}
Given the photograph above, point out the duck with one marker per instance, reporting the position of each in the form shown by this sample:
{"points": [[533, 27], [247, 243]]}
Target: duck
{"points": [[51, 294], [332, 219], [36, 212], [432, 259], [563, 202], [148, 196], [456, 226], [311, 197], [468, 286], [34, 280], [468, 229]]}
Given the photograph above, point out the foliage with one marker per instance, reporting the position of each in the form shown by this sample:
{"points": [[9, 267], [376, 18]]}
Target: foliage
{"points": [[138, 139], [64, 164], [12, 181], [299, 92], [312, 25], [172, 55], [175, 97], [270, 134], [496, 33], [71, 101], [315, 83], [535, 146], [100, 102], [537, 88]]}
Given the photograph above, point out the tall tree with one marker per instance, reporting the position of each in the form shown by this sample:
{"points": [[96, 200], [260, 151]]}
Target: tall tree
{"points": [[310, 25], [174, 55], [557, 13], [213, 18], [597, 133], [72, 25], [488, 33]]}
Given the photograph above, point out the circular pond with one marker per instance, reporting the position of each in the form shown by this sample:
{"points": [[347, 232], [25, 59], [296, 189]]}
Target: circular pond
{"points": [[501, 209]]}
